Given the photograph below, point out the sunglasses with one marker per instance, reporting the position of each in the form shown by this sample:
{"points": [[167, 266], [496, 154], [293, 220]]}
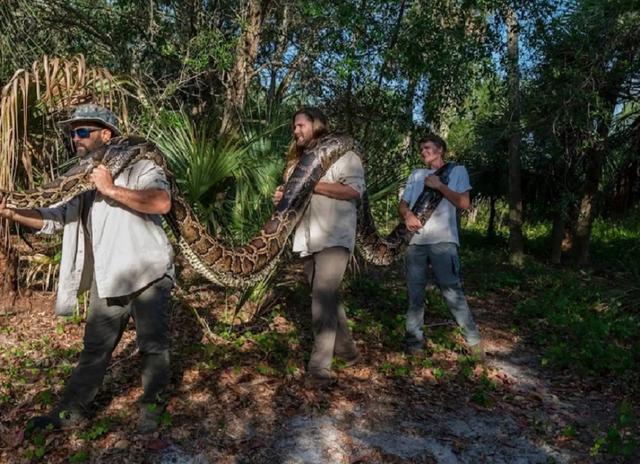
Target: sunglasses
{"points": [[83, 132]]}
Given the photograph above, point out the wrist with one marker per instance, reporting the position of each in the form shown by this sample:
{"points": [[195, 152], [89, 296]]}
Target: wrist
{"points": [[7, 213], [111, 192]]}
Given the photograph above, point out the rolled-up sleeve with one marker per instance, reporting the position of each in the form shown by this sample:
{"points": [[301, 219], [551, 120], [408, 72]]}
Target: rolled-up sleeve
{"points": [[407, 193], [53, 219], [351, 172], [151, 176]]}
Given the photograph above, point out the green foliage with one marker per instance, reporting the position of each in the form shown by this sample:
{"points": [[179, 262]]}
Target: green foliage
{"points": [[395, 369], [36, 447], [97, 430], [80, 456], [579, 327], [228, 182], [620, 439], [482, 393]]}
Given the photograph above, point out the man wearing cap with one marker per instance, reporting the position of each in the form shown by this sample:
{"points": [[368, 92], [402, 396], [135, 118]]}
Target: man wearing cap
{"points": [[113, 244]]}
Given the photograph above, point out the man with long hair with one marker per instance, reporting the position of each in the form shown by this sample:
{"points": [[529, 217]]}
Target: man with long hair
{"points": [[113, 243], [436, 243], [325, 238]]}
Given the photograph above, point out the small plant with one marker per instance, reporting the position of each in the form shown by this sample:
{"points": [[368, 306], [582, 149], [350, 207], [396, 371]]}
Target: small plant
{"points": [[569, 431], [80, 456], [481, 396], [97, 430], [165, 419], [439, 373], [37, 449], [264, 369], [45, 398], [619, 439]]}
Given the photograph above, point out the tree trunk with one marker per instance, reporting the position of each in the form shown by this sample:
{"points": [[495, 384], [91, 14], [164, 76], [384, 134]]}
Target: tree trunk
{"points": [[587, 205], [491, 226], [239, 78], [516, 240], [278, 57], [8, 270], [557, 236], [385, 62]]}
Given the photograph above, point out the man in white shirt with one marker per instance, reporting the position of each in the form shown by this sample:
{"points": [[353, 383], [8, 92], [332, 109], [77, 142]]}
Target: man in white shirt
{"points": [[113, 244], [325, 238], [436, 243]]}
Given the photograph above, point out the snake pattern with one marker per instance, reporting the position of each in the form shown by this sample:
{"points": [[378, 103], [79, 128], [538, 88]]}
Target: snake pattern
{"points": [[239, 266], [382, 251]]}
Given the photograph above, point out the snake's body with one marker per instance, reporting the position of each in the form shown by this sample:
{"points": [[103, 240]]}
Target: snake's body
{"points": [[238, 266]]}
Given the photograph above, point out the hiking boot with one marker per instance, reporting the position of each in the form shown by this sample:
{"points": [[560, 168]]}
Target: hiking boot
{"points": [[149, 418], [319, 379], [58, 418], [352, 361], [413, 349]]}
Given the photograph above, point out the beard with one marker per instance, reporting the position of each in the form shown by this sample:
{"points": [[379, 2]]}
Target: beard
{"points": [[302, 142], [83, 150]]}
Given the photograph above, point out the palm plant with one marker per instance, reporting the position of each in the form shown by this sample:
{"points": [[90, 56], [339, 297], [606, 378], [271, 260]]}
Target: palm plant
{"points": [[31, 103], [228, 181]]}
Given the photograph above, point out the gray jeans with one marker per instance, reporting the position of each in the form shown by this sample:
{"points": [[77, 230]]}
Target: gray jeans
{"points": [[445, 263], [324, 271], [106, 322]]}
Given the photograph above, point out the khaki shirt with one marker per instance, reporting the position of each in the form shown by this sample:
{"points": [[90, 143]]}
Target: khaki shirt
{"points": [[123, 250], [328, 222]]}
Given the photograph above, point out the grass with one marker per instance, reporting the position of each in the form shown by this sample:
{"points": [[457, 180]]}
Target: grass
{"points": [[583, 319]]}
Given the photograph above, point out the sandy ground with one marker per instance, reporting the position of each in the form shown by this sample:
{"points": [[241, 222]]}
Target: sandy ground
{"points": [[236, 400]]}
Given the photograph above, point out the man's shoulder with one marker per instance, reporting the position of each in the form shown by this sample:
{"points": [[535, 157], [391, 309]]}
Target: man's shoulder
{"points": [[349, 156], [459, 170], [419, 174], [349, 160]]}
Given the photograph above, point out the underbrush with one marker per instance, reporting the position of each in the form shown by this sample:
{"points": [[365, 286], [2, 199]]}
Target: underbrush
{"points": [[580, 323], [583, 319]]}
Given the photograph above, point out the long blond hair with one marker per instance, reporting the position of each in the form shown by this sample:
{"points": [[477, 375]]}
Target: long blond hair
{"points": [[320, 125]]}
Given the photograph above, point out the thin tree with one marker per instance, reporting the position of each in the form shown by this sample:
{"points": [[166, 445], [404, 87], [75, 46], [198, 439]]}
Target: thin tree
{"points": [[516, 241]]}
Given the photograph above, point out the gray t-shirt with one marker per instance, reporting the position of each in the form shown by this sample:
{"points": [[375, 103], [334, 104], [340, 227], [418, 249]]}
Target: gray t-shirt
{"points": [[442, 226]]}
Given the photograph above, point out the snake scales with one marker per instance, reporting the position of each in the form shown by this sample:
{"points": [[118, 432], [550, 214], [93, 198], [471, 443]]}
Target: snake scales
{"points": [[244, 265]]}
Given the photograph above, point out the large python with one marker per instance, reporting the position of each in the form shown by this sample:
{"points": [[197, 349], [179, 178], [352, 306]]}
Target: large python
{"points": [[244, 265]]}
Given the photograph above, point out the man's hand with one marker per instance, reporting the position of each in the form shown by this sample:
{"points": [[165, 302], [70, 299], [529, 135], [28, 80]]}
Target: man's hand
{"points": [[103, 180], [412, 222], [278, 194], [5, 212], [433, 182]]}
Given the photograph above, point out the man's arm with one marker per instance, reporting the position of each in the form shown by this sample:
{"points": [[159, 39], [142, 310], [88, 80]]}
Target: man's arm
{"points": [[336, 190], [148, 201], [27, 217], [348, 174], [410, 220], [459, 200]]}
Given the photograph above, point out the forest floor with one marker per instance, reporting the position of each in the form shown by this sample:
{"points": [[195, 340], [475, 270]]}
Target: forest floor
{"points": [[238, 393]]}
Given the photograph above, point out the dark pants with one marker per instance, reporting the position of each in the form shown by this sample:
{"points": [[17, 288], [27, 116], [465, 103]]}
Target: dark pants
{"points": [[106, 322], [324, 271]]}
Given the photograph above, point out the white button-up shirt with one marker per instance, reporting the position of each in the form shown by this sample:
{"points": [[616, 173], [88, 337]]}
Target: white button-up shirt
{"points": [[124, 250], [328, 222]]}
